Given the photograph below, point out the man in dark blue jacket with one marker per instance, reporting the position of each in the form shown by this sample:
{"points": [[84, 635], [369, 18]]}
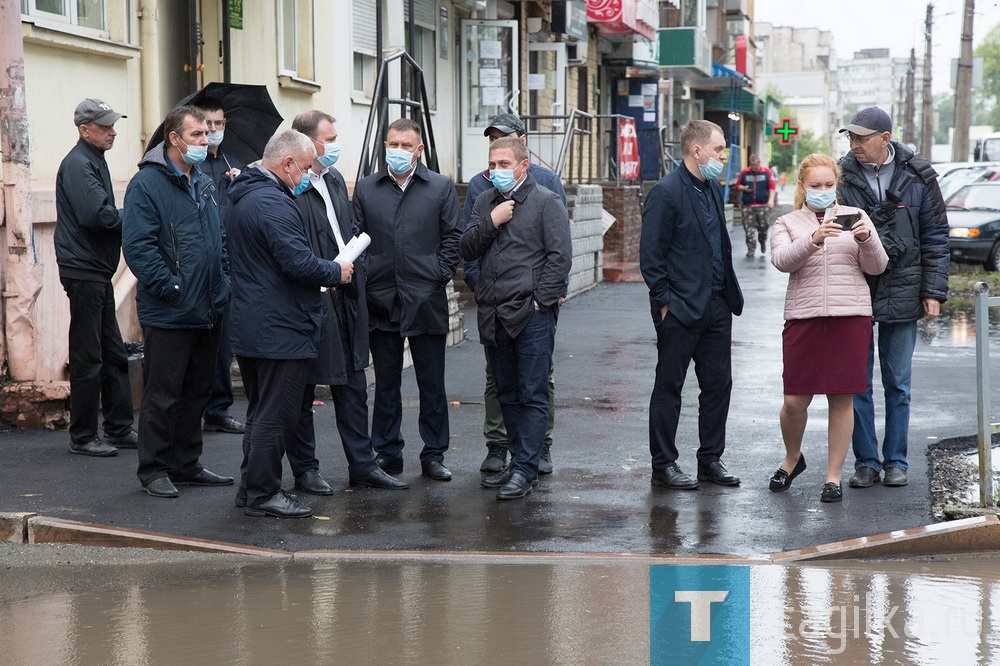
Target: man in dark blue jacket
{"points": [[173, 242], [686, 258], [412, 216], [88, 242], [899, 191], [277, 314], [343, 342], [520, 230], [507, 124]]}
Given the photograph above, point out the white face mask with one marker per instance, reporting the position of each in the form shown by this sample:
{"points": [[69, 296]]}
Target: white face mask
{"points": [[215, 138]]}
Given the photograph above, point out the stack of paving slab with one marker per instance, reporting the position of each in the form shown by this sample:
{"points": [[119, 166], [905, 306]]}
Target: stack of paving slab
{"points": [[585, 205]]}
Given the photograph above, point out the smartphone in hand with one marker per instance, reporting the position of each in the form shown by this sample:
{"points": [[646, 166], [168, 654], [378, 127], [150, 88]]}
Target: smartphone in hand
{"points": [[846, 222]]}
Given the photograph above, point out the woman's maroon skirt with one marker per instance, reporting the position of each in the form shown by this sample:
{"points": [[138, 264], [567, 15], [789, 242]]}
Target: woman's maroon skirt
{"points": [[826, 355]]}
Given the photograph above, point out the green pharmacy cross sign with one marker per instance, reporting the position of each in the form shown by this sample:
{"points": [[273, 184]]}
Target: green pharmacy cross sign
{"points": [[786, 130]]}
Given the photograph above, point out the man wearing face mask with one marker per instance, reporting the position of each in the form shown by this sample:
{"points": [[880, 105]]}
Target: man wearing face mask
{"points": [[899, 191], [222, 168], [277, 317], [413, 218], [519, 229], [343, 341], [686, 258], [172, 238]]}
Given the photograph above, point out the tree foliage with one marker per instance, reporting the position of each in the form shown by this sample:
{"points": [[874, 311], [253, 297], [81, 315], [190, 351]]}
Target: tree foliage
{"points": [[989, 51]]}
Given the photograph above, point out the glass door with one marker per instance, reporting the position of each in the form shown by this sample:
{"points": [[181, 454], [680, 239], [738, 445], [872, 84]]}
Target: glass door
{"points": [[489, 86], [546, 101]]}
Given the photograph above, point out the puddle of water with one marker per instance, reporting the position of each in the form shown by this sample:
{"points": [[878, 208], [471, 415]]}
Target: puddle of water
{"points": [[958, 329], [468, 612]]}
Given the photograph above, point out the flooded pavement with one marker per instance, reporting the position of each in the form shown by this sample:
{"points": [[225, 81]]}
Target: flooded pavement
{"points": [[455, 610]]}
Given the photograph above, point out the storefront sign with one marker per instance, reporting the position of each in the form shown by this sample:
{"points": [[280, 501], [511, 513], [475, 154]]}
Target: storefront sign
{"points": [[628, 150]]}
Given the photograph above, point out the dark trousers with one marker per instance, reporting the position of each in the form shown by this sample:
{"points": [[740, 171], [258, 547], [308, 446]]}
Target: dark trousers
{"points": [[275, 390], [221, 397], [708, 342], [427, 352], [177, 370], [521, 370], [98, 363]]}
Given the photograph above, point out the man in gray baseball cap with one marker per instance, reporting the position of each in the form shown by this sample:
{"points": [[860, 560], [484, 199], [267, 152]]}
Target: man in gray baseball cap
{"points": [[88, 243], [95, 111]]}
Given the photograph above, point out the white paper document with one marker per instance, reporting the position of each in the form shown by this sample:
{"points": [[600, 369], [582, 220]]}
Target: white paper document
{"points": [[354, 248]]}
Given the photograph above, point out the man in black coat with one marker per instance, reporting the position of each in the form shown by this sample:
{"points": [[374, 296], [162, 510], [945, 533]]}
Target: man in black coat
{"points": [[277, 313], [414, 221], [521, 232], [343, 342], [686, 259], [88, 242]]}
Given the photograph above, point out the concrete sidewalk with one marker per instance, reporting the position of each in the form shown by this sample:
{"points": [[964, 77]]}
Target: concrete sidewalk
{"points": [[598, 500]]}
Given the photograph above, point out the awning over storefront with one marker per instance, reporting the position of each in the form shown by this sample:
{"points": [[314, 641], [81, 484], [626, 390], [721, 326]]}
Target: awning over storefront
{"points": [[624, 18]]}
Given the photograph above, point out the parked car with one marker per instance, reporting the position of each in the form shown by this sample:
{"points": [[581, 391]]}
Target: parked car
{"points": [[974, 225], [953, 175]]}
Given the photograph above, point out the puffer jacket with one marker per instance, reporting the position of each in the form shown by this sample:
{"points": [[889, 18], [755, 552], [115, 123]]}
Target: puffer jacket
{"points": [[825, 280], [175, 246]]}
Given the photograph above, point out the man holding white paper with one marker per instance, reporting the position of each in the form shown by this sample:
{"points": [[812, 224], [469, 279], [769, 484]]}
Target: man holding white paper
{"points": [[343, 345]]}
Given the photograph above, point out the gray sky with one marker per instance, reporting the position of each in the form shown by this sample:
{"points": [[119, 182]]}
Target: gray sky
{"points": [[894, 24]]}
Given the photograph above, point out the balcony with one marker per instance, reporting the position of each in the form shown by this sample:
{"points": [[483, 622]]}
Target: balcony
{"points": [[685, 53]]}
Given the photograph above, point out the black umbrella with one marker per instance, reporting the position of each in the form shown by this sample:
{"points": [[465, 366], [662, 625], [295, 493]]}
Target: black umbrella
{"points": [[251, 118]]}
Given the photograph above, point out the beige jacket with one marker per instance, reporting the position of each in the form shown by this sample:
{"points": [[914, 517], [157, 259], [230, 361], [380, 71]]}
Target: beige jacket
{"points": [[825, 280]]}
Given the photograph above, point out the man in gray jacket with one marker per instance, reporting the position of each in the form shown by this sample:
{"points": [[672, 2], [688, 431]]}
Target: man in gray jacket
{"points": [[88, 241], [518, 229], [899, 191]]}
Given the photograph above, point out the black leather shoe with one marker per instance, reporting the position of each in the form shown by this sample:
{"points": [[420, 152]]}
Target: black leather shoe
{"points": [[716, 472], [436, 470], [894, 477], [782, 480], [228, 424], [496, 459], [831, 493], [379, 479], [497, 480], [388, 464], [129, 440], [545, 462], [241, 499], [311, 482], [516, 488], [864, 477], [204, 478], [673, 477], [280, 505], [161, 487], [95, 448]]}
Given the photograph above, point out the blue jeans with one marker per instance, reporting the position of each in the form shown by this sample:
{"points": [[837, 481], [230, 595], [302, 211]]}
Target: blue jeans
{"points": [[521, 370], [895, 352]]}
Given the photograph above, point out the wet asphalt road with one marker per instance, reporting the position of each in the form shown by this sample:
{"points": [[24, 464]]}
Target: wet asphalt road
{"points": [[598, 500]]}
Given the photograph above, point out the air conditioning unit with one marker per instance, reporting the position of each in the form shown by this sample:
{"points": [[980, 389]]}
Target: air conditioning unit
{"points": [[576, 53]]}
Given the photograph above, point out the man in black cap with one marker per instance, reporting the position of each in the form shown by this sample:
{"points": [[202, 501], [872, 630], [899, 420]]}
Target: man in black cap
{"points": [[88, 243], [507, 124], [899, 191]]}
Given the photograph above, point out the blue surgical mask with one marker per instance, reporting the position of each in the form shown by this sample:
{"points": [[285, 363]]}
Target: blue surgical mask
{"points": [[503, 179], [821, 199], [331, 153], [303, 184], [712, 170], [398, 160], [194, 154], [215, 138]]}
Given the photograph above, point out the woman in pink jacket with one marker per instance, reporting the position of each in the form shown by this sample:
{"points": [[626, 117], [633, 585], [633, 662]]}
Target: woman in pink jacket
{"points": [[826, 249]]}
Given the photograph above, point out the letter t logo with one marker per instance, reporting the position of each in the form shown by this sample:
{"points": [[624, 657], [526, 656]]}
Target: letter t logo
{"points": [[701, 611]]}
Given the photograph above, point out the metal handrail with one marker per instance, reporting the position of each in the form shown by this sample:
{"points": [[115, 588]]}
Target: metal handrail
{"points": [[373, 146], [985, 429]]}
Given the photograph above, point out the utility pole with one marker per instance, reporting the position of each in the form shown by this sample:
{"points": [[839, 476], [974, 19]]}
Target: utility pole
{"points": [[909, 104], [926, 101], [963, 90]]}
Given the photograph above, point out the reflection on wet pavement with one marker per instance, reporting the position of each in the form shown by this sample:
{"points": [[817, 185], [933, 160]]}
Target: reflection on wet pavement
{"points": [[483, 610]]}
